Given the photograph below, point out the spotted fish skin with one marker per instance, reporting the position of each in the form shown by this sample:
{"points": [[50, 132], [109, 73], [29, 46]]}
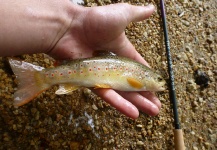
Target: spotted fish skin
{"points": [[114, 72]]}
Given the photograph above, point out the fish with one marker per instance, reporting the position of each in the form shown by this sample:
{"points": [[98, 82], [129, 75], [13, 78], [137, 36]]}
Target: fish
{"points": [[106, 71]]}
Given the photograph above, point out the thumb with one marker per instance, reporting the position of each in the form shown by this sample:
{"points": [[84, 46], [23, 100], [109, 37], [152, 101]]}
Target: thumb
{"points": [[139, 13]]}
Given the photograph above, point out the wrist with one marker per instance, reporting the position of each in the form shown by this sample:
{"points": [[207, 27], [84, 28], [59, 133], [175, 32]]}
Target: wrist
{"points": [[63, 20], [33, 26]]}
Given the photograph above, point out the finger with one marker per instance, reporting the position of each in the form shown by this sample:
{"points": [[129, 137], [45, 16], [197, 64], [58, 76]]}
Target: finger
{"points": [[117, 101], [152, 97], [141, 103]]}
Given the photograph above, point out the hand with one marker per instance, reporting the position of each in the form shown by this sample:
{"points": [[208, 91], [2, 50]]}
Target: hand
{"points": [[102, 28], [64, 30]]}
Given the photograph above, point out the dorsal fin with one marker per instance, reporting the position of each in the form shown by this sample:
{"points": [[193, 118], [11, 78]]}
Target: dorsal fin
{"points": [[103, 53]]}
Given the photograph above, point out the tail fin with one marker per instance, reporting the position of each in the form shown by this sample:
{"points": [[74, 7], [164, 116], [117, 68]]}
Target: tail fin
{"points": [[30, 83]]}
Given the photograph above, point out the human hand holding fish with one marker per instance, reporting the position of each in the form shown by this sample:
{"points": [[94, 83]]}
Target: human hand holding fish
{"points": [[67, 31]]}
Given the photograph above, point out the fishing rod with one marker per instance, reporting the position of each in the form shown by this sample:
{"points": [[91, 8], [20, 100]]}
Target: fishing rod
{"points": [[178, 135]]}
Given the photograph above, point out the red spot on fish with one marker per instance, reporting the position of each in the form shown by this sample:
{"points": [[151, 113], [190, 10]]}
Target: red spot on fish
{"points": [[61, 74], [74, 71], [52, 74], [69, 72], [81, 72], [98, 68], [94, 67], [90, 69], [106, 68]]}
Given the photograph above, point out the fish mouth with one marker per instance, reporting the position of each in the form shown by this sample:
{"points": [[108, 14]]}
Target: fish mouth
{"points": [[162, 86]]}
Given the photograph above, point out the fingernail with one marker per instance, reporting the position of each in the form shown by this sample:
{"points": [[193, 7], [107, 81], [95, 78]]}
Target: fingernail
{"points": [[150, 6]]}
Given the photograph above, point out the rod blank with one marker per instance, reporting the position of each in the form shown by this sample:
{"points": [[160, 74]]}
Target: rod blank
{"points": [[178, 135]]}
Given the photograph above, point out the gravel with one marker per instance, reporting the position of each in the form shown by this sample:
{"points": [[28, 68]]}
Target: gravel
{"points": [[84, 121]]}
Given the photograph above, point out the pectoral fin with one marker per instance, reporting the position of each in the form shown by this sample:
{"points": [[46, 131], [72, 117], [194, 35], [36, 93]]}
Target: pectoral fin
{"points": [[104, 86], [65, 89], [135, 83]]}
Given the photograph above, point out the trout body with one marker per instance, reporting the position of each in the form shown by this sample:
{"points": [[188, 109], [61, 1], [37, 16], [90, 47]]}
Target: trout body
{"points": [[114, 72]]}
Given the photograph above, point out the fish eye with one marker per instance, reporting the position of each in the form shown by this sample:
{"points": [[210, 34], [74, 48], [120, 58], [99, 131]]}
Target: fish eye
{"points": [[160, 79]]}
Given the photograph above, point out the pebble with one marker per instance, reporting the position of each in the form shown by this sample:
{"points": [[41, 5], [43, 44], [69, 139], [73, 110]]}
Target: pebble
{"points": [[111, 141], [186, 23], [207, 145], [14, 126], [105, 130], [140, 143], [74, 145], [200, 99], [42, 130], [46, 61], [209, 73], [191, 86], [149, 126], [37, 116], [182, 56], [139, 125], [183, 1], [213, 138], [33, 110], [201, 78], [195, 148], [89, 146], [139, 137], [94, 107], [59, 117], [181, 14]]}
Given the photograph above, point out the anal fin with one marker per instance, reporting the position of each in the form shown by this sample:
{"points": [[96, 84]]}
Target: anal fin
{"points": [[66, 89]]}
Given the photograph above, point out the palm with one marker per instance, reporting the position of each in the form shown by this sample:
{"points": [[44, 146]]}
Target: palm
{"points": [[102, 28], [99, 30]]}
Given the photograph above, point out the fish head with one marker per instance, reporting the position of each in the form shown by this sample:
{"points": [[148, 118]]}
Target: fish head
{"points": [[154, 82]]}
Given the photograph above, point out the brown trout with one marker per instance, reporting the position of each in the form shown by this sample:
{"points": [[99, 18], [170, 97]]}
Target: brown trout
{"points": [[118, 73]]}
